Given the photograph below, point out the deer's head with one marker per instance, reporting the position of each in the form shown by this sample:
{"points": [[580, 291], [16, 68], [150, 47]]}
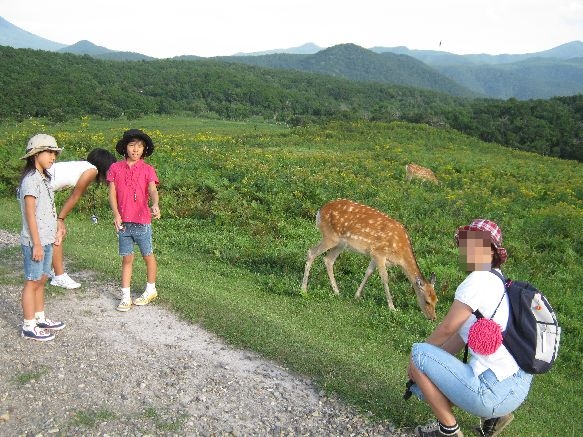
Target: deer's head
{"points": [[426, 297]]}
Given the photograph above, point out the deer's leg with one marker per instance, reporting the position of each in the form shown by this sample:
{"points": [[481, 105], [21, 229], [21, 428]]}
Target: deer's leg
{"points": [[385, 278], [369, 270], [329, 261], [313, 253]]}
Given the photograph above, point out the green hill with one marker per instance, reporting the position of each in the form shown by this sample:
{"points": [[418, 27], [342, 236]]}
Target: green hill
{"points": [[36, 83], [99, 52], [458, 75], [554, 72], [542, 75], [238, 205], [534, 78], [350, 61]]}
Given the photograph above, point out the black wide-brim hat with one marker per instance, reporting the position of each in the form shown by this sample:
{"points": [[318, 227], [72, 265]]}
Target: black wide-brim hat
{"points": [[135, 134]]}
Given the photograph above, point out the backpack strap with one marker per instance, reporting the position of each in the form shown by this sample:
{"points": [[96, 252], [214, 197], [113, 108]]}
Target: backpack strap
{"points": [[500, 275], [466, 350]]}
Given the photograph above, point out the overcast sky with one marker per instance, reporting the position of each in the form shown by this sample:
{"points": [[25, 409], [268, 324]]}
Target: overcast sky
{"points": [[224, 27]]}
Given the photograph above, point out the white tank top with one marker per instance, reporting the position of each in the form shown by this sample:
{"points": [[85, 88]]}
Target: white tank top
{"points": [[66, 174]]}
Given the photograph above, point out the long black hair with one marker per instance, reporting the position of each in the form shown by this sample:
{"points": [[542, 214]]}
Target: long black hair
{"points": [[30, 167], [102, 159]]}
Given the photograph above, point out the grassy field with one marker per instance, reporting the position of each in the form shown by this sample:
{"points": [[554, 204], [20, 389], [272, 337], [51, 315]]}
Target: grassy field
{"points": [[238, 203]]}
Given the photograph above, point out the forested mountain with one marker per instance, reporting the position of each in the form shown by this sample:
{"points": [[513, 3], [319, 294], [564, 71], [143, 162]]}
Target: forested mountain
{"points": [[533, 78], [59, 86], [352, 62], [505, 76], [99, 52], [550, 73], [38, 83], [521, 76]]}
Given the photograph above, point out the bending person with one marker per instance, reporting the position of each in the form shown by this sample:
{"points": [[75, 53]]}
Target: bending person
{"points": [[77, 175]]}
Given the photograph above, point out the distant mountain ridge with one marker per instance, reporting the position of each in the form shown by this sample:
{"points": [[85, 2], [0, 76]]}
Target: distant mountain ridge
{"points": [[541, 75], [88, 48], [13, 36], [554, 72], [570, 50], [353, 62], [304, 49]]}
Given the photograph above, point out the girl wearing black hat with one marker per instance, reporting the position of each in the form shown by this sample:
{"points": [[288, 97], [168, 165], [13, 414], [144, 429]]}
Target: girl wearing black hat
{"points": [[132, 186]]}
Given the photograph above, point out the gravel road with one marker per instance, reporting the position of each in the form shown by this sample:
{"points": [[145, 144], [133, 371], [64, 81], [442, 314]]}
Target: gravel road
{"points": [[147, 373]]}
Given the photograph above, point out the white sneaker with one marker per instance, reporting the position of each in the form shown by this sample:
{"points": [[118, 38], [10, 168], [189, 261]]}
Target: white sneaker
{"points": [[64, 281], [37, 334]]}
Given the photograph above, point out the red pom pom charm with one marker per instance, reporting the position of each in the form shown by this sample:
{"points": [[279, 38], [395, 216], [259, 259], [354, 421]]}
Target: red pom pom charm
{"points": [[485, 336]]}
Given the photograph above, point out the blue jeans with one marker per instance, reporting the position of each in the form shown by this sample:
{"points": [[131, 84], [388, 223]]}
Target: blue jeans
{"points": [[33, 270], [481, 395], [135, 233]]}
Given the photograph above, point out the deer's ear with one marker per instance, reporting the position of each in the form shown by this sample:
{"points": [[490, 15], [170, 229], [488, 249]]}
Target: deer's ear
{"points": [[433, 279]]}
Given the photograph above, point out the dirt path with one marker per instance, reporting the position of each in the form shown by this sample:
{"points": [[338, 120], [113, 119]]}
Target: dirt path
{"points": [[146, 372]]}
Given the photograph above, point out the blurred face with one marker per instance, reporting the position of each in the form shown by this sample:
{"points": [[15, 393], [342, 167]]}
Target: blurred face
{"points": [[45, 159], [475, 251], [135, 150]]}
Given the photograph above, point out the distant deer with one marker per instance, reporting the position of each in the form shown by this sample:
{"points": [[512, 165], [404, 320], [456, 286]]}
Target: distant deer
{"points": [[344, 223], [415, 171]]}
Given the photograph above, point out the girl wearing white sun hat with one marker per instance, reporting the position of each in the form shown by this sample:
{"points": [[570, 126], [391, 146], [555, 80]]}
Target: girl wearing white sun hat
{"points": [[39, 228]]}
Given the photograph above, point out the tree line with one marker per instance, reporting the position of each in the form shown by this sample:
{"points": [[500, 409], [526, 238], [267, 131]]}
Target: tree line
{"points": [[36, 83]]}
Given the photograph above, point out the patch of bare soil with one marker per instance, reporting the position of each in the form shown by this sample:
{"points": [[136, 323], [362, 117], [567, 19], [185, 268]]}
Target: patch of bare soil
{"points": [[146, 372]]}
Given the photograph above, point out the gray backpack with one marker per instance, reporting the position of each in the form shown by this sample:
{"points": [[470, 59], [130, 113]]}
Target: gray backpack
{"points": [[533, 334]]}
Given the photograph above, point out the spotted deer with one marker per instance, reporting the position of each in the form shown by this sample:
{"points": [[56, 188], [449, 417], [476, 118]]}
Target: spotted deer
{"points": [[344, 223], [415, 171]]}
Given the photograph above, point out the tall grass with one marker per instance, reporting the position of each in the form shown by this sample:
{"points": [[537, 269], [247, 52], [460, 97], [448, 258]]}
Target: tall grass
{"points": [[238, 204]]}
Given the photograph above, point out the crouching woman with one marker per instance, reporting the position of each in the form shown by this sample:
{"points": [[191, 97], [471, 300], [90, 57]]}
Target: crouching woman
{"points": [[490, 385]]}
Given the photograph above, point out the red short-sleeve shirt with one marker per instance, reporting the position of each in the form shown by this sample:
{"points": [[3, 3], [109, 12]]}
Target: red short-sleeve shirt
{"points": [[131, 187]]}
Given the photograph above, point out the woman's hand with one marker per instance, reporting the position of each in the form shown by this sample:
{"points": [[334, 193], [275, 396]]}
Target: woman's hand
{"points": [[61, 232], [410, 370]]}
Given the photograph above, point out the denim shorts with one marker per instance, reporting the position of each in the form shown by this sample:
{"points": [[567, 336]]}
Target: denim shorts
{"points": [[481, 395], [33, 270], [135, 233]]}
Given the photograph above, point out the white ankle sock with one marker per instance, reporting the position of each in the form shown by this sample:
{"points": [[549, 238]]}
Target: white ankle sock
{"points": [[150, 287], [125, 293], [40, 315], [28, 325]]}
